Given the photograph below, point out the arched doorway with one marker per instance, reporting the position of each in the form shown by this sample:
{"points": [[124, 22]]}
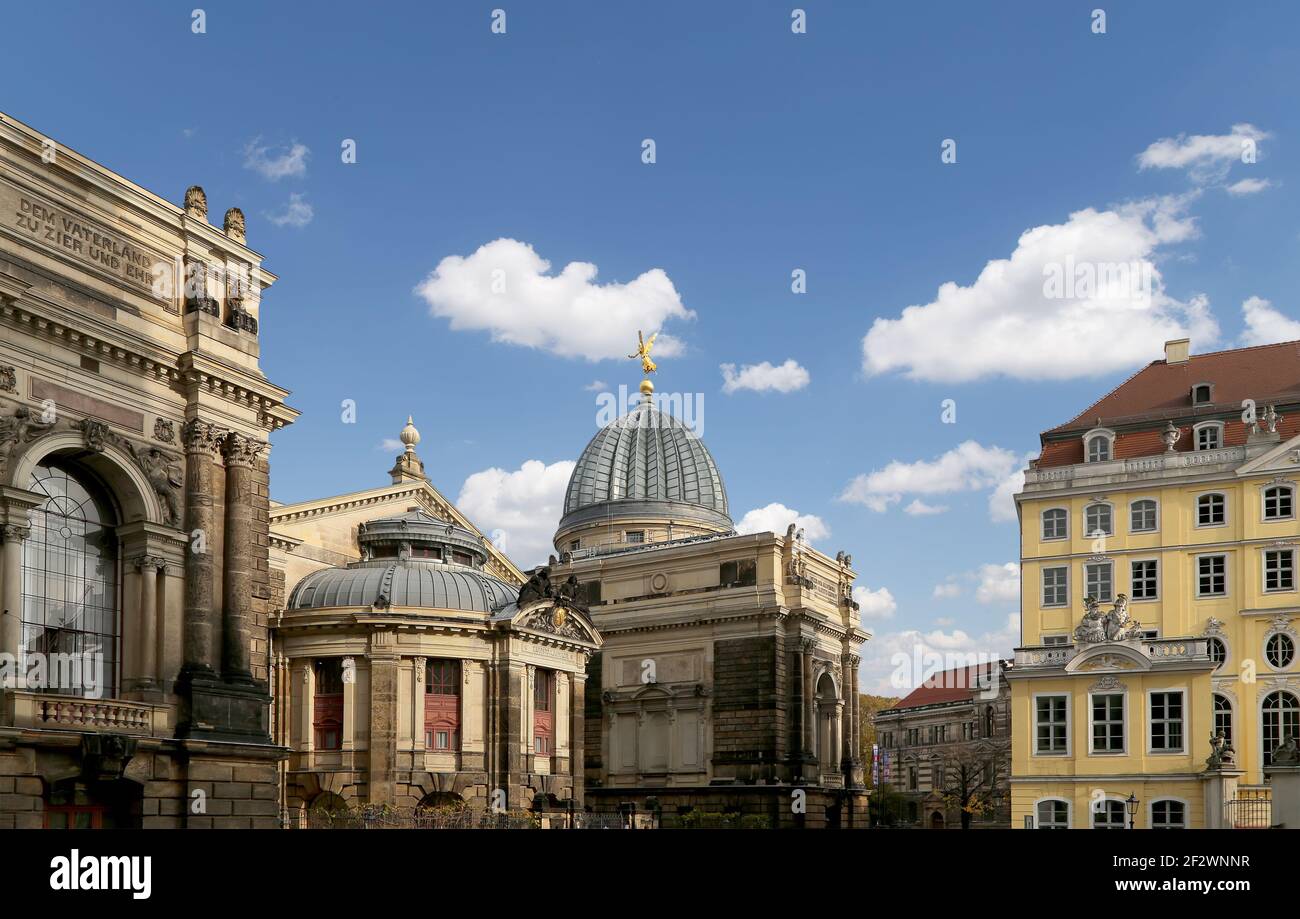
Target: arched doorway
{"points": [[328, 810], [828, 733], [936, 820], [71, 592]]}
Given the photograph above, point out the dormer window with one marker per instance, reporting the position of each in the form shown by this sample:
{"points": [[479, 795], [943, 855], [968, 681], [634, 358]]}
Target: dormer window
{"points": [[1099, 445], [1202, 394], [1209, 435]]}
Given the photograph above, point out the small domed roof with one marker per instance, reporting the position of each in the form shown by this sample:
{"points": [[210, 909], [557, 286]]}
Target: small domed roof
{"points": [[405, 564], [646, 463]]}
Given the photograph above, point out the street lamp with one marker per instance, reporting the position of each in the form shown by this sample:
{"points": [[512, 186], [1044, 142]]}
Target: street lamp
{"points": [[1132, 804]]}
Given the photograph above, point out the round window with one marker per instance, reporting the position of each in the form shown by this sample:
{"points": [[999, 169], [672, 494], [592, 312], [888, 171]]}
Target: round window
{"points": [[1280, 651]]}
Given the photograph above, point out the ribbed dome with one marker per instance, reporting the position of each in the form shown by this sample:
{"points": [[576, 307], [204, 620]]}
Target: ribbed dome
{"points": [[646, 463], [405, 583]]}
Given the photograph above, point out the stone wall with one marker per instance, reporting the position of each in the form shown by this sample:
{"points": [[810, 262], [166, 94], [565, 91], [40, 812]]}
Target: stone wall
{"points": [[748, 708]]}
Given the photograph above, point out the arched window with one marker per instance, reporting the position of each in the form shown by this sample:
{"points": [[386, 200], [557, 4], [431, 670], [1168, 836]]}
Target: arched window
{"points": [[1054, 523], [1279, 502], [988, 721], [1053, 814], [1209, 435], [1098, 448], [1223, 716], [71, 582], [1098, 520], [1168, 814], [442, 705], [1211, 510], [1218, 651], [1108, 815], [1281, 719]]}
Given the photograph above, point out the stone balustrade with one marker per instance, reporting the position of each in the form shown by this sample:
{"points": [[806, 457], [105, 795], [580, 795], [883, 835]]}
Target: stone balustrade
{"points": [[111, 716]]}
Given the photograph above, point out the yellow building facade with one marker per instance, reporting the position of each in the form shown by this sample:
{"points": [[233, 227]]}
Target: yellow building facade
{"points": [[1170, 502]]}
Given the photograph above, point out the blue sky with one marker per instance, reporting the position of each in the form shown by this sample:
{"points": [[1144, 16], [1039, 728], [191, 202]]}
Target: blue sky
{"points": [[774, 151]]}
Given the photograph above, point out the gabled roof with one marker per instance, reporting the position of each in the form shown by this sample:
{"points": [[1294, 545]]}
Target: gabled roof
{"points": [[1265, 373], [949, 686]]}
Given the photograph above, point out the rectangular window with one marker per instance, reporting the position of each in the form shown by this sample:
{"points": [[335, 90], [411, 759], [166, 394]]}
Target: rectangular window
{"points": [[327, 707], [1053, 640], [1279, 569], [740, 573], [1211, 511], [1100, 581], [1050, 728], [1097, 521], [1108, 723], [1212, 576], [1278, 503], [543, 716], [1167, 722], [1142, 516], [1055, 589], [634, 536], [591, 592], [1144, 579], [1054, 524], [442, 691], [1208, 438]]}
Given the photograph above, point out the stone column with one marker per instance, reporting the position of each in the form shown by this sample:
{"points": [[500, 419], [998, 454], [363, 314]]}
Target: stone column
{"points": [[147, 619], [418, 689], [237, 615], [847, 715], [577, 737], [809, 714], [11, 591], [202, 443]]}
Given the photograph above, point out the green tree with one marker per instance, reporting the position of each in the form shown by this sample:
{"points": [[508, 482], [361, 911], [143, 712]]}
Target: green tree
{"points": [[868, 705]]}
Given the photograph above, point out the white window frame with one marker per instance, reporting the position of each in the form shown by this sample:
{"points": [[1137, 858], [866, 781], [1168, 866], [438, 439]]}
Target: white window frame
{"points": [[1232, 713], [1092, 813], [1069, 811], [1042, 586], [639, 541], [1124, 712], [1196, 511], [1264, 693], [1269, 638], [1216, 426], [1042, 525], [1227, 650], [1183, 722], [1196, 573], [1069, 726], [1196, 386], [1263, 502], [1107, 563], [1056, 641], [1133, 597], [1105, 433], [1263, 570], [1151, 813], [1093, 534], [1156, 502]]}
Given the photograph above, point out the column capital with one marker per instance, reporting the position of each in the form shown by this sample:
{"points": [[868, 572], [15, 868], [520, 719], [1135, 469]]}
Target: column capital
{"points": [[13, 532], [240, 450], [149, 561], [200, 436], [807, 645]]}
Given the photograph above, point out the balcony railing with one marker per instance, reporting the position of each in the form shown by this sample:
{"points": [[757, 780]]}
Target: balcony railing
{"points": [[1157, 649], [1173, 463], [70, 713]]}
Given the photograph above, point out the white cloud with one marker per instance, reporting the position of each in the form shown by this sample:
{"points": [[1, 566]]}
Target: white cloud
{"points": [[1109, 312], [1002, 502], [1248, 187], [919, 508], [504, 288], [520, 509], [776, 518], [296, 213], [999, 583], [875, 604], [1265, 324], [895, 663], [596, 386], [1206, 157], [947, 590], [389, 444], [763, 377], [276, 166], [967, 467]]}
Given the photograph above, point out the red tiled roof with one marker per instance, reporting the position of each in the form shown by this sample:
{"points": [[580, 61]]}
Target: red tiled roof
{"points": [[947, 686], [1265, 373], [1161, 392]]}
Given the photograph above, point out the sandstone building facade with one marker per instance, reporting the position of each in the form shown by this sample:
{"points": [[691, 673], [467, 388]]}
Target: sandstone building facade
{"points": [[412, 675], [727, 680], [134, 577]]}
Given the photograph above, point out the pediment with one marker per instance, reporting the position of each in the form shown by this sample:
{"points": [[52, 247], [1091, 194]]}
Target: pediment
{"points": [[1109, 657], [558, 619], [1283, 458]]}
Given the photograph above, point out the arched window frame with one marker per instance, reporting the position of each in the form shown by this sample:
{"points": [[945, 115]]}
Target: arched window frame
{"points": [[1107, 801], [1095, 456], [1167, 799], [1090, 533], [1221, 704], [1212, 438], [1204, 497], [1038, 817], [1288, 721], [1278, 488], [1064, 529]]}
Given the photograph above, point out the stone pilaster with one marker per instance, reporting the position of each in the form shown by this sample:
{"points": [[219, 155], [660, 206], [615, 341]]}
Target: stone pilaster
{"points": [[577, 736], [11, 588], [146, 637], [809, 741], [202, 444], [240, 541]]}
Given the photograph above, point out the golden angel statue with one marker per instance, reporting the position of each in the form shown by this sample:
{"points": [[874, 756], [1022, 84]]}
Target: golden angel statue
{"points": [[643, 352]]}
